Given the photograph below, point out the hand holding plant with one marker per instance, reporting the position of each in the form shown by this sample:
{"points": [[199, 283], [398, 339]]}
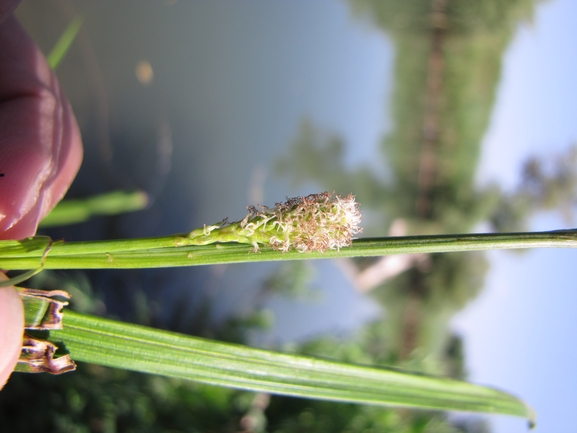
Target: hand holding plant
{"points": [[40, 153]]}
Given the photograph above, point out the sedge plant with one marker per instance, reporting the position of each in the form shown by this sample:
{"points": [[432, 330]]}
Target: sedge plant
{"points": [[313, 227], [318, 226]]}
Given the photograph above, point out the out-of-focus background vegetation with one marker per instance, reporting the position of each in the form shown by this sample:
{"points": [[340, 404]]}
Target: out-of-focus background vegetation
{"points": [[210, 106]]}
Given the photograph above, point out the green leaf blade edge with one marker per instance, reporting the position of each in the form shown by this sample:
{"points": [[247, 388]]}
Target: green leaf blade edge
{"points": [[64, 43], [132, 347]]}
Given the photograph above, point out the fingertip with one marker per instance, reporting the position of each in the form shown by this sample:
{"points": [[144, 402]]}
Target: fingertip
{"points": [[70, 156], [40, 144], [25, 227], [11, 330]]}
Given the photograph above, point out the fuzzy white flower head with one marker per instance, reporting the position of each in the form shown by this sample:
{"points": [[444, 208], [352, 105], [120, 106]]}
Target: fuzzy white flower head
{"points": [[317, 222]]}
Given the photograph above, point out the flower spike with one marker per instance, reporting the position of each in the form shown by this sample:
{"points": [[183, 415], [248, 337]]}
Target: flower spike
{"points": [[316, 222]]}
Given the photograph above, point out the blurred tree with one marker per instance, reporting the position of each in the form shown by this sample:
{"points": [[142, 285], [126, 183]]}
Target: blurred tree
{"points": [[546, 184], [447, 67], [462, 15]]}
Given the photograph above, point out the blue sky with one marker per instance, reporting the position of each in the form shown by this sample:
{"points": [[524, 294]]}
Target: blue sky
{"points": [[520, 334]]}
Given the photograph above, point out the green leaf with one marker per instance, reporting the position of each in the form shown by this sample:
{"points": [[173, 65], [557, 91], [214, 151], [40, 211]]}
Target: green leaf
{"points": [[111, 203], [116, 344], [64, 42]]}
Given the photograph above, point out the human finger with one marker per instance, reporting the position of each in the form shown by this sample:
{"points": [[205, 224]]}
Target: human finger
{"points": [[40, 144], [11, 330]]}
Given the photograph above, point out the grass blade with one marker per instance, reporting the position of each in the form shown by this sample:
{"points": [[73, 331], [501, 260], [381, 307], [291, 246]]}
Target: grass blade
{"points": [[64, 42], [116, 344], [111, 203]]}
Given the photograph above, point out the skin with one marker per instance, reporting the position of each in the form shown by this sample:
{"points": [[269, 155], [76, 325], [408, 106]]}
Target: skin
{"points": [[40, 154]]}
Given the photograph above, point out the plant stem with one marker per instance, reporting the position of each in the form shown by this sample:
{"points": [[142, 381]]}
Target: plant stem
{"points": [[178, 250]]}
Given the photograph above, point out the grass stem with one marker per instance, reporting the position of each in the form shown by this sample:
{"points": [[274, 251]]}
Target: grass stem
{"points": [[176, 250]]}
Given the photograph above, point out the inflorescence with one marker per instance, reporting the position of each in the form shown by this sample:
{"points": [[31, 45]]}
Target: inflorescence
{"points": [[316, 222]]}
